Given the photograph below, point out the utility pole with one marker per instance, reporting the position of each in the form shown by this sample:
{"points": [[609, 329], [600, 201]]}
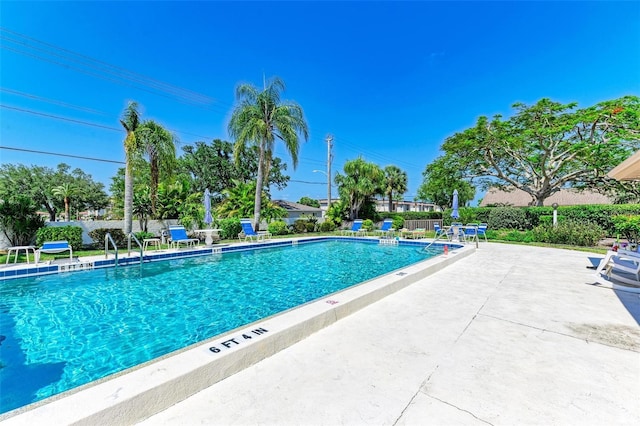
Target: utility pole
{"points": [[329, 140]]}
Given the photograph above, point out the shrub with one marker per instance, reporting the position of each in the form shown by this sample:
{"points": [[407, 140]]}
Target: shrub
{"points": [[367, 225], [300, 226], [19, 220], [97, 235], [398, 222], [72, 234], [278, 227], [507, 218], [327, 226], [628, 226], [230, 228], [569, 232], [142, 235]]}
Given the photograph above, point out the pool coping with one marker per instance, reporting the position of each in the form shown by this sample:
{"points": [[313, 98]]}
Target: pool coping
{"points": [[139, 392]]}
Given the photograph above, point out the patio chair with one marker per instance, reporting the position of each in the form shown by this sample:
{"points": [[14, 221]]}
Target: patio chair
{"points": [[54, 247], [622, 266], [179, 236], [355, 228], [385, 230], [482, 231], [439, 231], [470, 232], [248, 232]]}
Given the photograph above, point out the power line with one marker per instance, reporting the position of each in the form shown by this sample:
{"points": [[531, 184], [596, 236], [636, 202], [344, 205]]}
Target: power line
{"points": [[51, 101], [57, 117], [61, 155]]}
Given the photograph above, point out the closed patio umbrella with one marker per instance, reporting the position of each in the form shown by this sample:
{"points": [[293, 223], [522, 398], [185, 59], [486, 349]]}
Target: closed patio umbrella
{"points": [[207, 207], [454, 205]]}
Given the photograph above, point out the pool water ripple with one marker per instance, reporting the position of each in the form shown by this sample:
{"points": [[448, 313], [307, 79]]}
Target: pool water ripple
{"points": [[66, 330]]}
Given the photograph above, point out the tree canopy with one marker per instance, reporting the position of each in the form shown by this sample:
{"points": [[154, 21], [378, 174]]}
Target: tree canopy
{"points": [[361, 180], [440, 179], [547, 146]]}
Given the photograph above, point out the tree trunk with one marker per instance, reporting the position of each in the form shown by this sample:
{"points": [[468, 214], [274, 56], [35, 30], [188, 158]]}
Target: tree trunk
{"points": [[258, 199], [66, 208], [390, 201], [128, 197]]}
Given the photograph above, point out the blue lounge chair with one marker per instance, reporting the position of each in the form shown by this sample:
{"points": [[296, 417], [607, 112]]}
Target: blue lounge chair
{"points": [[179, 236], [439, 231], [355, 228], [54, 247], [385, 229], [249, 233], [482, 231]]}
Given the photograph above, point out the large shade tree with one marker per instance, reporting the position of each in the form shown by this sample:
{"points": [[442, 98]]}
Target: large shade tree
{"points": [[440, 178], [261, 117], [360, 181], [395, 183], [130, 121], [547, 146]]}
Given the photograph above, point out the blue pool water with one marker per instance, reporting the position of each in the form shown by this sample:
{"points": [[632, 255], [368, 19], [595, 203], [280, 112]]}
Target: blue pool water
{"points": [[60, 331]]}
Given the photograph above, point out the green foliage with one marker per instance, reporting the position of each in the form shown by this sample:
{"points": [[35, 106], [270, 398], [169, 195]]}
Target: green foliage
{"points": [[300, 226], [97, 235], [367, 225], [398, 222], [361, 181], [142, 235], [337, 212], [328, 226], [230, 228], [628, 226], [278, 227], [467, 215], [395, 183], [309, 202], [569, 232], [564, 144], [440, 179], [507, 218], [19, 220], [72, 234]]}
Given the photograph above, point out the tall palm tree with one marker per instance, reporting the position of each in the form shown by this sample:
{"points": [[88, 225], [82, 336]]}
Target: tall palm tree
{"points": [[259, 118], [395, 181], [65, 191], [361, 180], [130, 120], [158, 144]]}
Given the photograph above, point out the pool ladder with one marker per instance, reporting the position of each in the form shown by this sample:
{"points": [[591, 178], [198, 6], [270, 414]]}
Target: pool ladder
{"points": [[108, 239]]}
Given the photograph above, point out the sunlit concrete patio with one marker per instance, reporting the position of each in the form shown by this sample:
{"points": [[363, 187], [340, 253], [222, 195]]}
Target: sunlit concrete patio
{"points": [[508, 335]]}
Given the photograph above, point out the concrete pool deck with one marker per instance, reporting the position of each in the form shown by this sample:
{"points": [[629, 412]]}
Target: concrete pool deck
{"points": [[509, 335]]}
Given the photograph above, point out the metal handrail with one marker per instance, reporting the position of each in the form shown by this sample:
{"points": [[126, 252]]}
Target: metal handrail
{"points": [[129, 237], [107, 239]]}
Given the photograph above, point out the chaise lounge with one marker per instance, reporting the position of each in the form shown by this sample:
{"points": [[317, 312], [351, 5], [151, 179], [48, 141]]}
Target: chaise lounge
{"points": [[52, 247]]}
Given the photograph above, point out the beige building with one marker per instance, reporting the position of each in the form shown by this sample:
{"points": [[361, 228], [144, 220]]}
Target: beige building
{"points": [[564, 197], [398, 206]]}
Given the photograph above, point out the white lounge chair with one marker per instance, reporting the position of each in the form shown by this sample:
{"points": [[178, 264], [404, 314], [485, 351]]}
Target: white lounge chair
{"points": [[622, 266]]}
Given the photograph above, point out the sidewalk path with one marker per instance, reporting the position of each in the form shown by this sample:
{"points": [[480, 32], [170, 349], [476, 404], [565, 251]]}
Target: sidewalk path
{"points": [[509, 335]]}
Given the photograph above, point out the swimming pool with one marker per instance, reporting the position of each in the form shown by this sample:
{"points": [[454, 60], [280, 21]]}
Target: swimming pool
{"points": [[66, 330]]}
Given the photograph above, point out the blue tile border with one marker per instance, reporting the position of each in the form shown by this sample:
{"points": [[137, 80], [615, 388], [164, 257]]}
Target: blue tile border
{"points": [[38, 270]]}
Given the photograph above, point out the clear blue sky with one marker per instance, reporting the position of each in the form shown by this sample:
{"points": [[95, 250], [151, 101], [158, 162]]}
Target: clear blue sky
{"points": [[389, 80]]}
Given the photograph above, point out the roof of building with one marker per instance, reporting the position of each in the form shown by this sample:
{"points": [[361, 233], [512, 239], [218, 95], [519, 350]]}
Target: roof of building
{"points": [[564, 197], [297, 207]]}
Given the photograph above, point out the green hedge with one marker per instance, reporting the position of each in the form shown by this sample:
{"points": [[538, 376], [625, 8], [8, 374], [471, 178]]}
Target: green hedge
{"points": [[72, 234], [97, 235]]}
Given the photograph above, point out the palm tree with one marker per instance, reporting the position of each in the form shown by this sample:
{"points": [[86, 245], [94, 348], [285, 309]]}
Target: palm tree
{"points": [[395, 180], [260, 118], [130, 120], [360, 181], [159, 146], [64, 191]]}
